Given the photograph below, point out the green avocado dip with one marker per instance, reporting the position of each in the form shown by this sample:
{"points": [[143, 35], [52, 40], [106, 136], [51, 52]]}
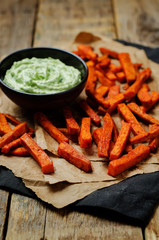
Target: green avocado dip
{"points": [[41, 76]]}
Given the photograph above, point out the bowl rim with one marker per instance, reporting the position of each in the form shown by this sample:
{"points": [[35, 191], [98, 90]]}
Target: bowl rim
{"points": [[45, 48]]}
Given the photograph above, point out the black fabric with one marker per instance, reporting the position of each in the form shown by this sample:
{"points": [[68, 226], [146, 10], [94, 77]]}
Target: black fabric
{"points": [[132, 200]]}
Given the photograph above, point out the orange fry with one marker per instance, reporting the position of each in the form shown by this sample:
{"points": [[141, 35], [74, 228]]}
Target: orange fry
{"points": [[121, 77], [128, 67], [76, 158], [4, 126], [37, 153], [111, 76], [85, 137], [110, 53], [144, 116], [44, 122], [104, 142], [90, 112], [144, 96], [87, 52], [130, 118], [114, 101], [102, 90], [121, 141], [72, 125], [113, 91], [20, 151], [104, 80], [154, 143], [97, 135], [91, 82], [13, 134], [134, 88], [114, 68], [14, 144], [129, 160], [154, 99]]}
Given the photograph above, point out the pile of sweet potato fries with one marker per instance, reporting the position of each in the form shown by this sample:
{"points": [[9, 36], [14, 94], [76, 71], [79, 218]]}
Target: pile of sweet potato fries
{"points": [[122, 148]]}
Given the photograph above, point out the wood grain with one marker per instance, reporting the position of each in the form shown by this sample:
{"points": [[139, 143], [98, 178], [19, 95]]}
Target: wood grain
{"points": [[3, 210], [16, 25], [60, 21], [26, 219], [137, 21], [152, 229], [66, 224]]}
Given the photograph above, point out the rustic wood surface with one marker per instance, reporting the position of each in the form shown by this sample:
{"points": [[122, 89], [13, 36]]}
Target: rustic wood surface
{"points": [[26, 23]]}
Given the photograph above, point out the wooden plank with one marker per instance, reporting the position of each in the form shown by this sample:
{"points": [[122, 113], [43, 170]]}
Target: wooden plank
{"points": [[59, 21], [26, 219], [137, 21], [152, 229], [16, 25], [65, 224], [3, 211]]}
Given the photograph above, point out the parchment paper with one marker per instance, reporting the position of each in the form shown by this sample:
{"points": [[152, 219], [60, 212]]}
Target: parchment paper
{"points": [[68, 183]]}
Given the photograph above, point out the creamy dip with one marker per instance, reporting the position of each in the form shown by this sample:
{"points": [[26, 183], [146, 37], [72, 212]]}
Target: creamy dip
{"points": [[41, 76]]}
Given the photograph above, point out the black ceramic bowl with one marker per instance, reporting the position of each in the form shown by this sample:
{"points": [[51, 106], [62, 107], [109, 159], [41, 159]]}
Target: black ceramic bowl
{"points": [[43, 101]]}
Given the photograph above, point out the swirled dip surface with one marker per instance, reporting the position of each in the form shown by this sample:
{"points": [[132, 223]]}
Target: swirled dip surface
{"points": [[41, 76]]}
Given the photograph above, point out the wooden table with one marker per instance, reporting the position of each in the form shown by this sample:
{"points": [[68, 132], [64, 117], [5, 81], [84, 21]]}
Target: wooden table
{"points": [[25, 23]]}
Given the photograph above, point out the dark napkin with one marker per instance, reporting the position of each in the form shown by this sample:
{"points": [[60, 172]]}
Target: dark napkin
{"points": [[132, 201]]}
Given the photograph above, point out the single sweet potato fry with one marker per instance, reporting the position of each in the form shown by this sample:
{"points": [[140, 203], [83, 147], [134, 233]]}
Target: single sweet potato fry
{"points": [[90, 112], [110, 53], [121, 77], [144, 96], [4, 126], [114, 101], [129, 160], [14, 144], [97, 135], [142, 115], [37, 153], [113, 91], [121, 141], [151, 134], [153, 143], [114, 68], [44, 122], [130, 118], [134, 88], [102, 90], [73, 156], [115, 132], [85, 137], [104, 62], [154, 99], [111, 76], [91, 82], [13, 134], [104, 142], [128, 67], [87, 52], [72, 125], [20, 151], [103, 79]]}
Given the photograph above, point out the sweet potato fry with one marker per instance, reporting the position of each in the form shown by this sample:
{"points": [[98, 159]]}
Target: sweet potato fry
{"points": [[15, 122], [4, 126], [104, 142], [90, 112], [121, 77], [104, 80], [14, 144], [144, 116], [111, 76], [85, 137], [134, 88], [87, 51], [15, 133], [72, 125], [144, 96], [113, 91], [114, 101], [76, 158], [91, 82], [153, 143], [20, 151], [102, 90], [110, 53], [121, 141], [114, 68], [128, 67], [129, 160], [154, 99], [97, 135], [130, 118], [44, 122], [104, 62], [151, 134], [115, 132], [90, 63], [37, 153]]}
